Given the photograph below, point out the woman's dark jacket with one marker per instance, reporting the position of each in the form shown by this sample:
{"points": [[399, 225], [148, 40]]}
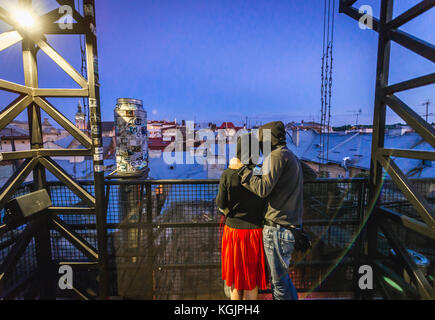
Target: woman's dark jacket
{"points": [[246, 209]]}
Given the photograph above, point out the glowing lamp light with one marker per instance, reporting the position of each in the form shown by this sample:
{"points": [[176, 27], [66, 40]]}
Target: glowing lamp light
{"points": [[24, 18]]}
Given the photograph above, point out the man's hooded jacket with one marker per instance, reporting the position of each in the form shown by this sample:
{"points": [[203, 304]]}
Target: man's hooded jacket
{"points": [[281, 179]]}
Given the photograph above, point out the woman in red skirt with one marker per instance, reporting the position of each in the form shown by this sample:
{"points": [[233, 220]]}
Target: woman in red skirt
{"points": [[243, 260]]}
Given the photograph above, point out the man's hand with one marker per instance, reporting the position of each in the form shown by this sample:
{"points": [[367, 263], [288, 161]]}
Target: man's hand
{"points": [[235, 164]]}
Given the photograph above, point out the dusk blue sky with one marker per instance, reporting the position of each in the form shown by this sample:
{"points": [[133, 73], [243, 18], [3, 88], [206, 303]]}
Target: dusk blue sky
{"points": [[224, 60]]}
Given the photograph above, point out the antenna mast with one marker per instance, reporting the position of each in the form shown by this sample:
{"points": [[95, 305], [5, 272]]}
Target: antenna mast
{"points": [[326, 76]]}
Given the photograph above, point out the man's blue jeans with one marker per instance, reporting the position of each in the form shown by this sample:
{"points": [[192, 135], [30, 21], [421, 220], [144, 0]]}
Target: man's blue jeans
{"points": [[278, 247]]}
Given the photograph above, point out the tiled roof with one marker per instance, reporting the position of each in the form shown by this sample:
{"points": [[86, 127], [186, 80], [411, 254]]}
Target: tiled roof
{"points": [[65, 142], [228, 125], [157, 143], [357, 146], [16, 132]]}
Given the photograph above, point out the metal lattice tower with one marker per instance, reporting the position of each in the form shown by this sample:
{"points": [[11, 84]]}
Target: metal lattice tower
{"points": [[38, 159]]}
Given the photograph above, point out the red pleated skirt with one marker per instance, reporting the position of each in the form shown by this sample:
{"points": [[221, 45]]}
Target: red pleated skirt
{"points": [[243, 261]]}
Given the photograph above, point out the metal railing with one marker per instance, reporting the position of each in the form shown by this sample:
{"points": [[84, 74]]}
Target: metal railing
{"points": [[164, 241], [405, 246]]}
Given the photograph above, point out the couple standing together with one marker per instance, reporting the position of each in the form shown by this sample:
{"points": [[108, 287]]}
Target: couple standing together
{"points": [[260, 208]]}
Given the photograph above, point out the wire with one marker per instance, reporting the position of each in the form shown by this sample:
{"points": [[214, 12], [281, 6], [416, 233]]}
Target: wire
{"points": [[330, 77], [322, 82], [326, 79]]}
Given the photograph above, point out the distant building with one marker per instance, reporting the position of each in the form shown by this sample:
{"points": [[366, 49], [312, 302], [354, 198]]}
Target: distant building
{"points": [[154, 129], [156, 146], [399, 130], [80, 118], [108, 128], [205, 125], [169, 131], [349, 154], [310, 125], [160, 128], [13, 138], [359, 129], [20, 124], [49, 132], [229, 125], [230, 129], [69, 143], [16, 135]]}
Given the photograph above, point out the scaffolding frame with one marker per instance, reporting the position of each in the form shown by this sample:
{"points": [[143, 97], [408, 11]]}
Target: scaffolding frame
{"points": [[38, 159], [381, 157]]}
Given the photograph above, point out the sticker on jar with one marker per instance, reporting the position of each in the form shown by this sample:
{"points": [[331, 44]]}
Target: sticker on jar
{"points": [[136, 148], [133, 130], [135, 142], [122, 167]]}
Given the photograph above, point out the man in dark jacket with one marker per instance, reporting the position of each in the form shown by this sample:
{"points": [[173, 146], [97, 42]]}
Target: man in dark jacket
{"points": [[281, 183]]}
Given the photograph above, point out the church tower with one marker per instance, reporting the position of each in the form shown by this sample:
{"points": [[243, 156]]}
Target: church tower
{"points": [[80, 118]]}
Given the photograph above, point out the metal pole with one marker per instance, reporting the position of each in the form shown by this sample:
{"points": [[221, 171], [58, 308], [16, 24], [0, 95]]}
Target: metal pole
{"points": [[133, 263], [15, 162], [376, 178], [150, 244], [358, 243], [427, 103], [97, 144], [42, 234]]}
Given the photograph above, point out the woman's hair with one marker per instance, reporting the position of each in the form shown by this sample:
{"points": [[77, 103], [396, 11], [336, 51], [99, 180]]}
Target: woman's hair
{"points": [[247, 149]]}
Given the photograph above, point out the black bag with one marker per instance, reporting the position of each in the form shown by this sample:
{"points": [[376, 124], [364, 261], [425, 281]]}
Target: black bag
{"points": [[302, 239]]}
